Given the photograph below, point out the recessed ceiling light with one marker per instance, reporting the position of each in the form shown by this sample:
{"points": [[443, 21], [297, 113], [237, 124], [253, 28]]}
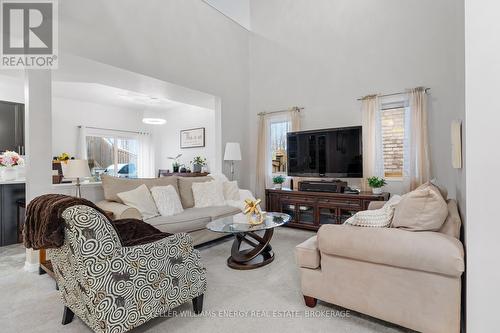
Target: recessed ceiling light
{"points": [[154, 121]]}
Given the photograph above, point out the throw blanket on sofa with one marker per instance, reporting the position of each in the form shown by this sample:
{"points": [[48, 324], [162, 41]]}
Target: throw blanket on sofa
{"points": [[44, 226]]}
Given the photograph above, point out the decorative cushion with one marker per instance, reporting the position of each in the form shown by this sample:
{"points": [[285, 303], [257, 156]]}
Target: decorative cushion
{"points": [[231, 190], [436, 187], [377, 217], [167, 200], [185, 189], [208, 194], [423, 209], [141, 199], [114, 185]]}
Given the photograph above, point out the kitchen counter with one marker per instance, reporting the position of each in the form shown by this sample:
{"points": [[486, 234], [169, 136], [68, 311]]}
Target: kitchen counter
{"points": [[17, 181]]}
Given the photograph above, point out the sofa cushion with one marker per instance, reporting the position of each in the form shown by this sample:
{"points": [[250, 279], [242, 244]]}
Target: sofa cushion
{"points": [[191, 219], [424, 251], [167, 200], [423, 209], [186, 191], [307, 253], [208, 194], [140, 198], [452, 224], [114, 185]]}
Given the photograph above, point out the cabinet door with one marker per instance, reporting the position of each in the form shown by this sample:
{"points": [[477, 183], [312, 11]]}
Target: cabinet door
{"points": [[305, 213], [290, 208], [9, 195], [344, 214], [328, 215]]}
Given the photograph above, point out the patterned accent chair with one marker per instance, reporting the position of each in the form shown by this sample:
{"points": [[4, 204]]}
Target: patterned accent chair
{"points": [[114, 288]]}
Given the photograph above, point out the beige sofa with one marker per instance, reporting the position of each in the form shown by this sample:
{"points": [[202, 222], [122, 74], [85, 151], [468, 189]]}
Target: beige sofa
{"points": [[404, 277], [192, 220]]}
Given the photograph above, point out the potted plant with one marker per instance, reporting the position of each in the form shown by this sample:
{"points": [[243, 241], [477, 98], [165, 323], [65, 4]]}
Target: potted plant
{"points": [[376, 183], [198, 162], [175, 162], [278, 181], [9, 161]]}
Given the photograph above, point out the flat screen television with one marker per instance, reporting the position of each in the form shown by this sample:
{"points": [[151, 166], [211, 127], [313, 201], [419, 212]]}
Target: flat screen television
{"points": [[335, 153]]}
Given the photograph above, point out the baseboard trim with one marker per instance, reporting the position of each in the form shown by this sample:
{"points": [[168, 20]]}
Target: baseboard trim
{"points": [[30, 267]]}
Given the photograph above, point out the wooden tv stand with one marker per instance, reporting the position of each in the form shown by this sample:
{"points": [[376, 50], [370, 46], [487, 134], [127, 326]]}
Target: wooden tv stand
{"points": [[310, 210]]}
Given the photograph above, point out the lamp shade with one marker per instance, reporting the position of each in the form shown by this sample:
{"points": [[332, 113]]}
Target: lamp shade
{"points": [[233, 152], [77, 169]]}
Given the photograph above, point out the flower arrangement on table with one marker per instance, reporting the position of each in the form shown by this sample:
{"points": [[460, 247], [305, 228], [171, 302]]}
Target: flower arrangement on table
{"points": [[10, 159], [64, 157], [376, 183], [198, 162]]}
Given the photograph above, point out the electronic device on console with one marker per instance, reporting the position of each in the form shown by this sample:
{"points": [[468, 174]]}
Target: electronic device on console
{"points": [[332, 186]]}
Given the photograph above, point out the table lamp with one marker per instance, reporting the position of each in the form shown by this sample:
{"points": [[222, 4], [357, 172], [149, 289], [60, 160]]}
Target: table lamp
{"points": [[76, 169], [232, 153]]}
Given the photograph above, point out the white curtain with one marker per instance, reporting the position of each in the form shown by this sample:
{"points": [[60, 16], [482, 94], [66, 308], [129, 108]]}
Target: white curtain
{"points": [[373, 159], [146, 158], [416, 155], [82, 143], [264, 155]]}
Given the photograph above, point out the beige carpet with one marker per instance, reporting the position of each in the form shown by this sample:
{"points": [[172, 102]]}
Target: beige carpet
{"points": [[267, 299]]}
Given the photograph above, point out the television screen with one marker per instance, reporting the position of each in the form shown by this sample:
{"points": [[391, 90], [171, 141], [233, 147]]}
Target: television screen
{"points": [[335, 153]]}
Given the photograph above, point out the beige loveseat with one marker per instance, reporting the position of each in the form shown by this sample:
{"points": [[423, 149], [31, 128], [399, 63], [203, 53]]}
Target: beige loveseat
{"points": [[404, 277], [192, 220]]}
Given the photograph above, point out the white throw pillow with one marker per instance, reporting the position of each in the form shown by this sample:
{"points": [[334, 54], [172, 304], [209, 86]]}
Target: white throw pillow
{"points": [[208, 194], [140, 198], [376, 217], [231, 190], [167, 200]]}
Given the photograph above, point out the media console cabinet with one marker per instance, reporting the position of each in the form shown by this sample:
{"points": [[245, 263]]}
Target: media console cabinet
{"points": [[310, 210]]}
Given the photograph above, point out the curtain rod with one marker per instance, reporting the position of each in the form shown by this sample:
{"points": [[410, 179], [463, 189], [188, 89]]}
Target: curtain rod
{"points": [[293, 108], [112, 129], [392, 94]]}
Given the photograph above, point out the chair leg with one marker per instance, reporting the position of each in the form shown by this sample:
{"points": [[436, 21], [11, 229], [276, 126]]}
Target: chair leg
{"points": [[198, 304], [310, 301], [67, 316]]}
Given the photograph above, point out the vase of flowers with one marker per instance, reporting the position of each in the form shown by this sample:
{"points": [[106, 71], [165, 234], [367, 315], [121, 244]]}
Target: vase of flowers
{"points": [[10, 161], [198, 162], [376, 183], [278, 182]]}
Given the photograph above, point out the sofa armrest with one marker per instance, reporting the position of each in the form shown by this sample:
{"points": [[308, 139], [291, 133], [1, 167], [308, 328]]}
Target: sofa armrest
{"points": [[307, 253], [418, 250], [120, 211], [376, 205], [246, 194]]}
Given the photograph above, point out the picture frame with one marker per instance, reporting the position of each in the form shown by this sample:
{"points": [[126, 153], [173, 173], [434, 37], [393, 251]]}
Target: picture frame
{"points": [[192, 138]]}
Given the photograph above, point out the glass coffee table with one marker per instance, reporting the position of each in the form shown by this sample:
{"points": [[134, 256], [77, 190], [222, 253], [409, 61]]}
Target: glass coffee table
{"points": [[260, 252]]}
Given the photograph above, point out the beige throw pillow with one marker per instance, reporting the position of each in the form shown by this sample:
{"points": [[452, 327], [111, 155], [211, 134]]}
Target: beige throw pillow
{"points": [[208, 194], [167, 200], [423, 209], [231, 190], [186, 190], [141, 199], [376, 217]]}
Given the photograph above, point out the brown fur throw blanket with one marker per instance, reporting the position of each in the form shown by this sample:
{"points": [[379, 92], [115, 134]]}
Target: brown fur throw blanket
{"points": [[44, 226]]}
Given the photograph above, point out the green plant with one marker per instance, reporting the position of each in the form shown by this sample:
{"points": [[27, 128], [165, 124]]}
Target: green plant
{"points": [[376, 182], [278, 179], [198, 160]]}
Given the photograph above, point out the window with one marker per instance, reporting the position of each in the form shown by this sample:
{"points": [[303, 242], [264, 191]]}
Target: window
{"points": [[278, 131], [113, 155], [392, 132]]}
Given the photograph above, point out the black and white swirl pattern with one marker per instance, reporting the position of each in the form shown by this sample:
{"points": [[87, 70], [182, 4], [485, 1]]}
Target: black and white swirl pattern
{"points": [[113, 288]]}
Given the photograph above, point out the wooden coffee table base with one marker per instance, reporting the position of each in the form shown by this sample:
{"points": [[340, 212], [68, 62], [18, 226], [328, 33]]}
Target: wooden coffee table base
{"points": [[259, 254]]}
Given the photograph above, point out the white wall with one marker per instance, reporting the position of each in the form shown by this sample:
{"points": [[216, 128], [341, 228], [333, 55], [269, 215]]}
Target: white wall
{"points": [[326, 54], [482, 50], [237, 10], [68, 114], [11, 89], [183, 42], [167, 137]]}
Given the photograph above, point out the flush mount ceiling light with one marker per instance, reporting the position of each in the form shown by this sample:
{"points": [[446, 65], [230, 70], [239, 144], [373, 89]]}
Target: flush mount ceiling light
{"points": [[154, 121]]}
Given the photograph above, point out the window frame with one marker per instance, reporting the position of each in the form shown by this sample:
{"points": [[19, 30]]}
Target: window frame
{"points": [[275, 119], [392, 103], [115, 135]]}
